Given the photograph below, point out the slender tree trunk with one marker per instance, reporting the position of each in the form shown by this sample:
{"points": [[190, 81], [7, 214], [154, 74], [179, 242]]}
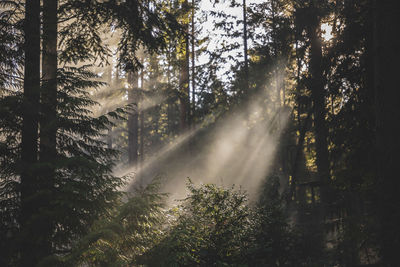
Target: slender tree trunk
{"points": [[154, 75], [110, 82], [116, 82], [318, 99], [30, 250], [276, 69], [184, 78], [193, 66], [109, 138], [298, 62], [246, 61], [297, 157], [169, 101], [141, 120], [283, 87], [133, 119]]}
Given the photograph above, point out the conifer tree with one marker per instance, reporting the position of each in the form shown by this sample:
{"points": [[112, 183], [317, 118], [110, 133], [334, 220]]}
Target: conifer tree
{"points": [[317, 89], [31, 242]]}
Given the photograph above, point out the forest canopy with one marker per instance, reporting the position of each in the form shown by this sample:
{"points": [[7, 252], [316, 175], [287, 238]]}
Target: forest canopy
{"points": [[199, 133]]}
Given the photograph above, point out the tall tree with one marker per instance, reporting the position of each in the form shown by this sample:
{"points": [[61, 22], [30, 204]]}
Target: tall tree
{"points": [[317, 88], [184, 71], [48, 120], [141, 120], [387, 56], [245, 49], [193, 56], [133, 119], [31, 250]]}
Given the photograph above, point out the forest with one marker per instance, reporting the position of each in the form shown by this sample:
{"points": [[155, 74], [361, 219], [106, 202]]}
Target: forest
{"points": [[199, 133]]}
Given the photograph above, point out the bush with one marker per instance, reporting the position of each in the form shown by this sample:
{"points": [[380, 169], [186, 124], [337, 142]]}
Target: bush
{"points": [[212, 227]]}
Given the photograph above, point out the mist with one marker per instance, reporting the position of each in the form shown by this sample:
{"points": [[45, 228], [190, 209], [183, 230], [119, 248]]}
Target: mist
{"points": [[237, 149]]}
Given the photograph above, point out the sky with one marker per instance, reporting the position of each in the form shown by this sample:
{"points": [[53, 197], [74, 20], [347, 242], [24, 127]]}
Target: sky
{"points": [[214, 35]]}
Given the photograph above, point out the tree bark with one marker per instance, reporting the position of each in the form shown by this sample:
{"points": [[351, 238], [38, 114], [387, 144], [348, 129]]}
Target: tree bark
{"points": [[184, 78], [193, 66], [318, 98], [246, 61], [387, 56], [30, 252], [133, 119], [141, 121], [48, 121]]}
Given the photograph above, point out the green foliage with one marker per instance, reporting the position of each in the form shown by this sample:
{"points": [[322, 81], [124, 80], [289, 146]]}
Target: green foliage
{"points": [[213, 226], [216, 226], [11, 62], [131, 228], [83, 187], [275, 241], [211, 229]]}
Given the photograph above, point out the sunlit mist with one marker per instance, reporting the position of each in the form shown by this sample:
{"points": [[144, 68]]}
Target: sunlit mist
{"points": [[237, 150]]}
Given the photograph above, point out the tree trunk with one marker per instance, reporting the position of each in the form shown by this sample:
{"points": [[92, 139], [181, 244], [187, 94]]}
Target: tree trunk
{"points": [[133, 120], [169, 89], [317, 89], [318, 99], [184, 78], [193, 67], [48, 122], [386, 50], [141, 121], [109, 138], [30, 226], [246, 62], [276, 70]]}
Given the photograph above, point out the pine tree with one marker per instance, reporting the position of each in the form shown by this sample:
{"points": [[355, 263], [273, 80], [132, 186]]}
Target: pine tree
{"points": [[31, 242], [317, 89], [65, 181]]}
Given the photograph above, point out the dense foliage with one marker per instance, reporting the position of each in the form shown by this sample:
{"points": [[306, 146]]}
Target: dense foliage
{"points": [[211, 226]]}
